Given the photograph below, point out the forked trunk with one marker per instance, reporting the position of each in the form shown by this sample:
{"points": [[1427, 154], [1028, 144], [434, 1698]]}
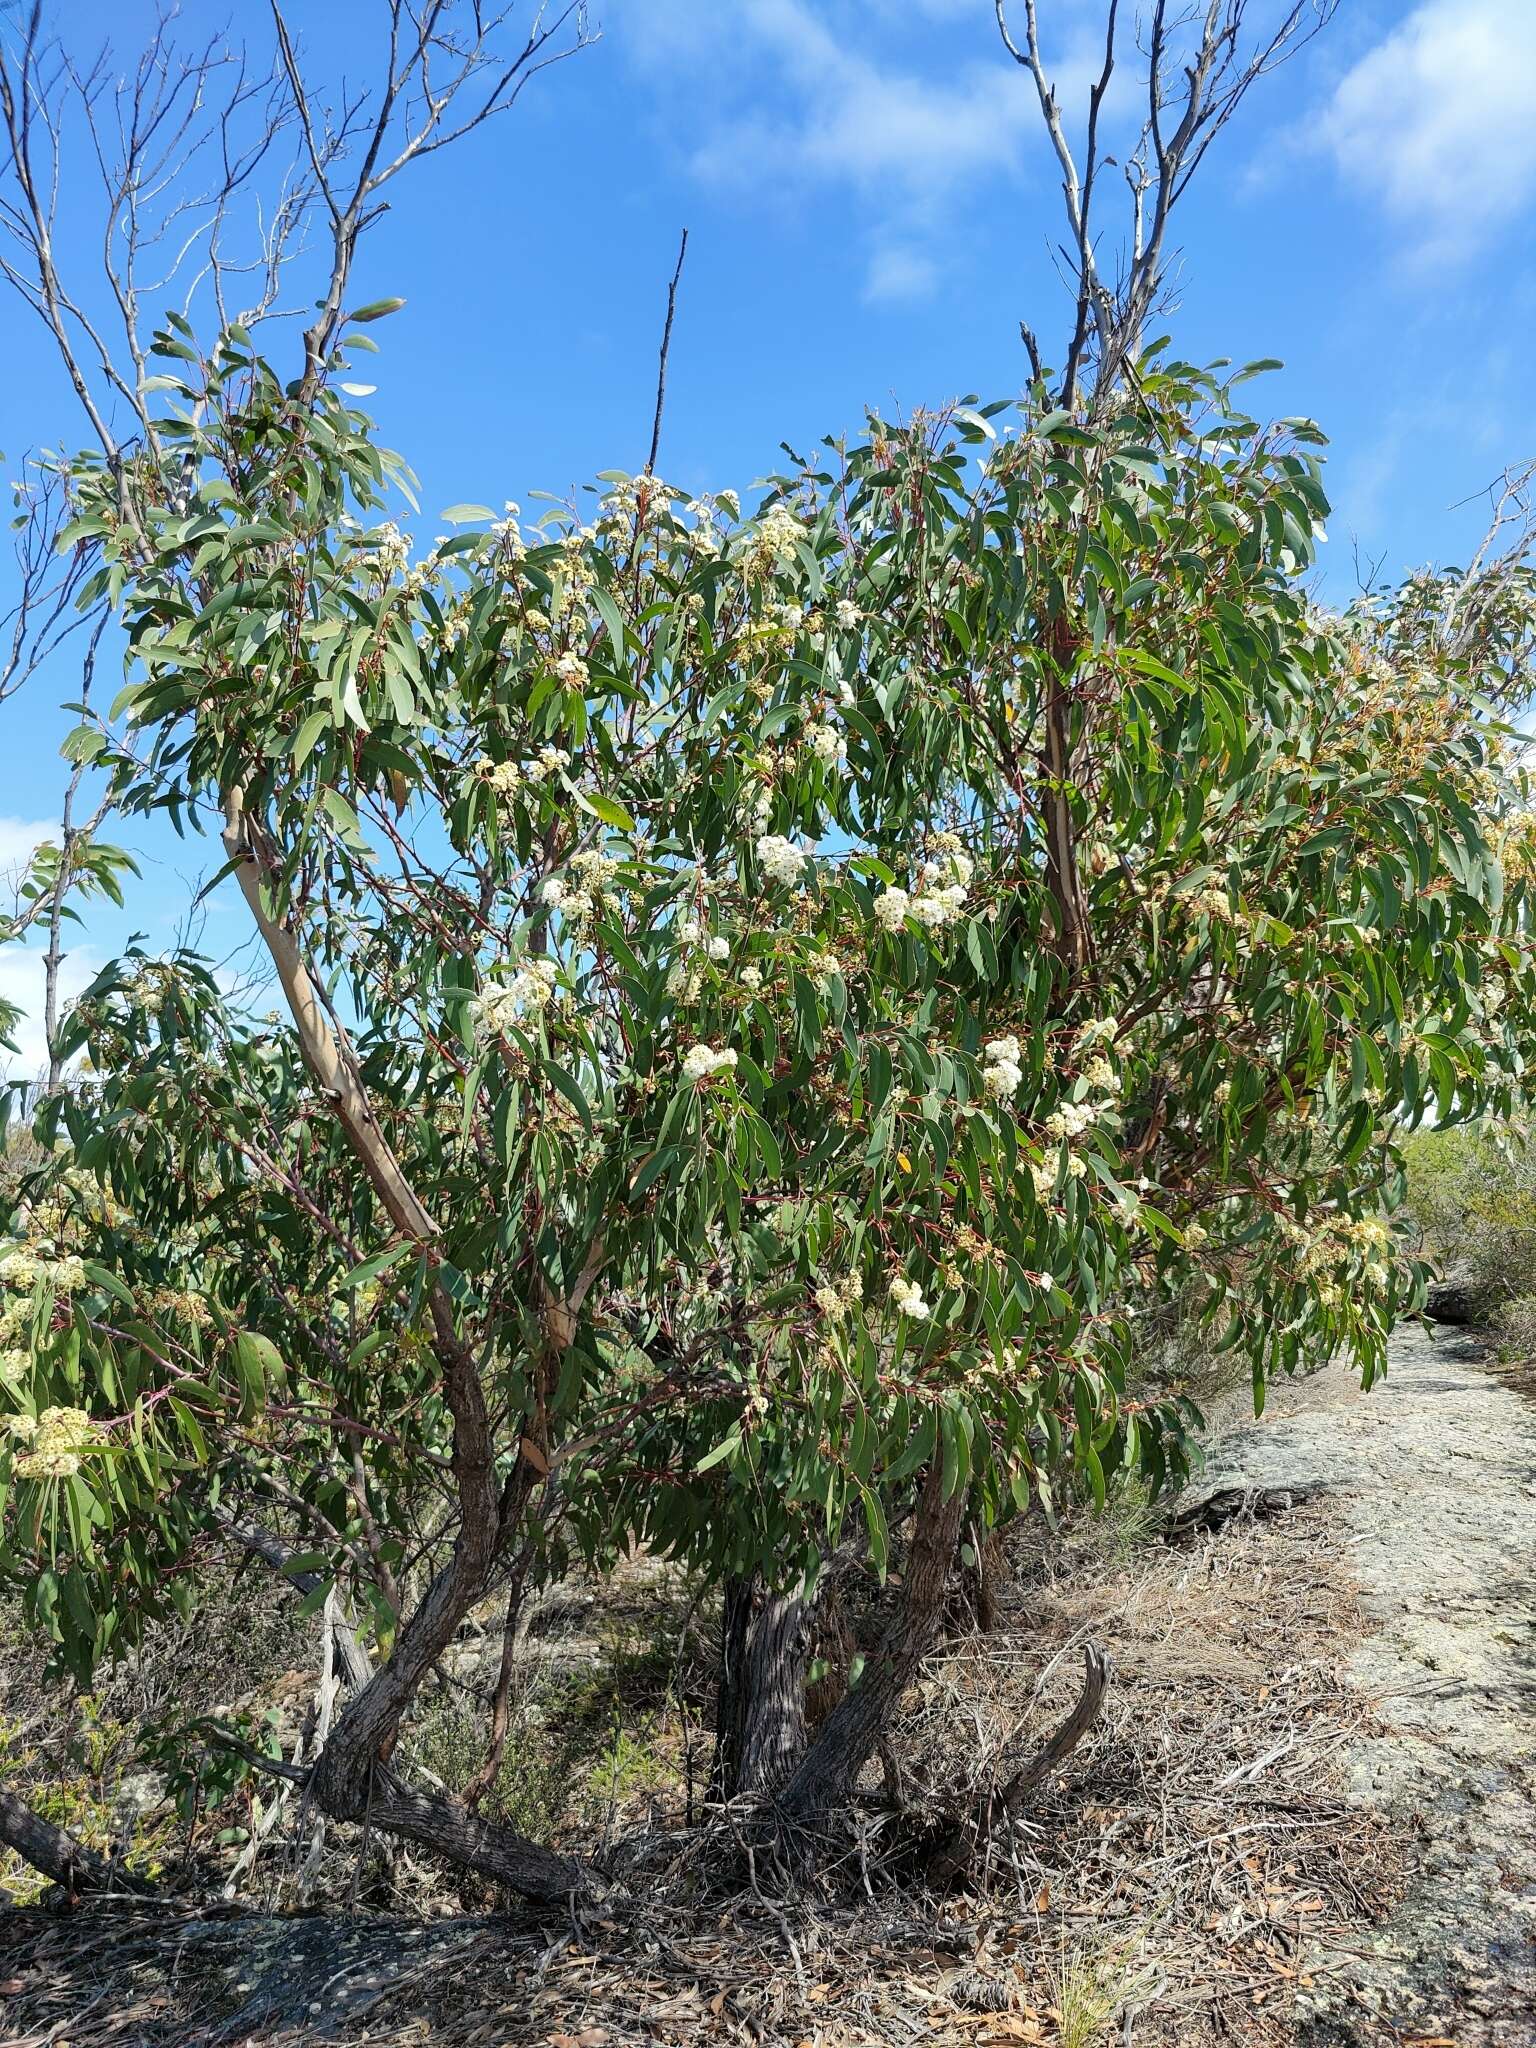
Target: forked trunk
{"points": [[824, 1780]]}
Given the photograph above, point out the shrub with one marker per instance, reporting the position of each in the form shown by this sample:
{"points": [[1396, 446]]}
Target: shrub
{"points": [[1472, 1192]]}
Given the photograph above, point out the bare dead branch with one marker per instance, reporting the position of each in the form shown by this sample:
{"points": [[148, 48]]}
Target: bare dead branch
{"points": [[1200, 63], [666, 344]]}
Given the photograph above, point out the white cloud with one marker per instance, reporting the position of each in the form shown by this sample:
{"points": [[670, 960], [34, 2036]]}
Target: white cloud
{"points": [[900, 272], [21, 966], [789, 93], [21, 983], [1437, 123], [18, 838]]}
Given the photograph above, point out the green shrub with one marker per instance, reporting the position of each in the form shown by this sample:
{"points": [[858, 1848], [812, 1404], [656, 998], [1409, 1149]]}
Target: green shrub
{"points": [[1472, 1194]]}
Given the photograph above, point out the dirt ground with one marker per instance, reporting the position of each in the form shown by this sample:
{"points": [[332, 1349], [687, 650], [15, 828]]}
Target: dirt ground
{"points": [[1306, 1820], [1433, 1485]]}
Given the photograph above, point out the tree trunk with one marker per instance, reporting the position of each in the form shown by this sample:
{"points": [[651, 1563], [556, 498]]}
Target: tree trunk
{"points": [[731, 1693], [760, 1718], [969, 1834], [773, 1739], [351, 1779], [451, 1829], [973, 1600], [826, 1775], [834, 1647], [58, 1855], [1063, 878]]}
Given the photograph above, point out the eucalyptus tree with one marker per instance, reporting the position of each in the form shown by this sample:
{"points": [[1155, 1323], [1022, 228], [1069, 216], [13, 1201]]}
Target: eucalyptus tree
{"points": [[771, 1002]]}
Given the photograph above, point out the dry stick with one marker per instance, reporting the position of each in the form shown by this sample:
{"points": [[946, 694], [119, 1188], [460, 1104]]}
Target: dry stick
{"points": [[1002, 1802], [666, 344]]}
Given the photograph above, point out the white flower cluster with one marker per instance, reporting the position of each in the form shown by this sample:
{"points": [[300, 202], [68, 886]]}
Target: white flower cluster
{"points": [[572, 670], [636, 500], [530, 991], [508, 777], [1214, 903], [22, 1268], [54, 1440], [1332, 1242], [185, 1306], [578, 895], [700, 1061], [828, 744], [1003, 1075], [940, 896], [892, 907], [706, 537], [1070, 1120], [505, 777], [837, 1299], [685, 978], [847, 614], [391, 549], [907, 1300], [507, 535], [774, 541], [781, 860]]}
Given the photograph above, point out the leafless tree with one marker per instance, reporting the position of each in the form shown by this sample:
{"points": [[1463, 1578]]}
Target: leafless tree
{"points": [[1201, 59]]}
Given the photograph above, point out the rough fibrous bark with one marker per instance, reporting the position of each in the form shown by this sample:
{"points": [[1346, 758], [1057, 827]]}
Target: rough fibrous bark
{"points": [[760, 1727], [773, 1737], [824, 1780]]}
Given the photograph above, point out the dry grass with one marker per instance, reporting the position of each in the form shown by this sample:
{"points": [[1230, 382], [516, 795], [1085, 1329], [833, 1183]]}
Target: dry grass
{"points": [[1183, 1868]]}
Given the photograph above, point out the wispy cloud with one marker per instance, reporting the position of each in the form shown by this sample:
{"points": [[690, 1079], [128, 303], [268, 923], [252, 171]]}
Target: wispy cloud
{"points": [[900, 271], [1437, 124], [21, 983], [871, 99], [19, 838]]}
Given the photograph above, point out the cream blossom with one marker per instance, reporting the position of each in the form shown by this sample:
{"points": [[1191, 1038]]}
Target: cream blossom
{"points": [[55, 1444], [700, 1061], [907, 1300], [891, 908], [782, 861], [532, 988]]}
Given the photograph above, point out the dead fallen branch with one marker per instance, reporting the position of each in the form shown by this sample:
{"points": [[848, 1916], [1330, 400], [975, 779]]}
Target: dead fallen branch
{"points": [[56, 1853]]}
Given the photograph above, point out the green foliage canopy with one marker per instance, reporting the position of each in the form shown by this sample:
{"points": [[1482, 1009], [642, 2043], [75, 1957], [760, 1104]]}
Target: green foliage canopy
{"points": [[825, 975]]}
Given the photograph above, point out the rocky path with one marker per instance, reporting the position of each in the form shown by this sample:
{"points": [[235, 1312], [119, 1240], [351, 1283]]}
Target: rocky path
{"points": [[1433, 1484]]}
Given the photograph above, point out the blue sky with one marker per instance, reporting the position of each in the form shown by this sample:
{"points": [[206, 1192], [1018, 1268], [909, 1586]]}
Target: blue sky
{"points": [[872, 209]]}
